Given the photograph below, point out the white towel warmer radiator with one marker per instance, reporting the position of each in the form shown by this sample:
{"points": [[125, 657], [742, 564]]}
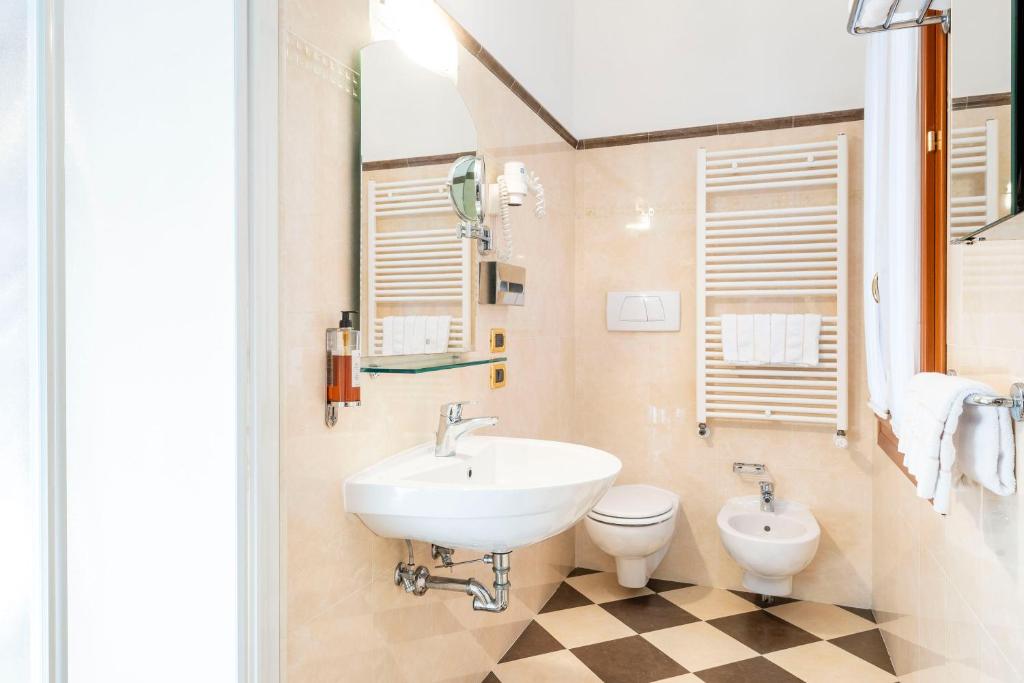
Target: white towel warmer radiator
{"points": [[416, 266], [791, 255], [974, 153]]}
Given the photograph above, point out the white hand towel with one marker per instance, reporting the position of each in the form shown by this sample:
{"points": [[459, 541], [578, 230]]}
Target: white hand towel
{"points": [[762, 339], [444, 327], [416, 334], [730, 348], [812, 336], [430, 334], [397, 334], [934, 407], [778, 344], [985, 450], [745, 339], [387, 343], [794, 339]]}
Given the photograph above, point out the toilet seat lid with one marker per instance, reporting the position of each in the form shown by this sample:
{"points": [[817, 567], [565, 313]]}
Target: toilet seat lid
{"points": [[635, 501]]}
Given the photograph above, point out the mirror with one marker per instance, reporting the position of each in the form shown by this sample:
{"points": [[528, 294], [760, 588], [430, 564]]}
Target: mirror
{"points": [[467, 181], [416, 293], [983, 126]]}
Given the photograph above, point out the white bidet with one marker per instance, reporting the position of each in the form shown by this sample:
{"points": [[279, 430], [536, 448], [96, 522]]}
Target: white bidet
{"points": [[771, 547]]}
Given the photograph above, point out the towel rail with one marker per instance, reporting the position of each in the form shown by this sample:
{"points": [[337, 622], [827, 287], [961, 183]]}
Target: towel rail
{"points": [[416, 265], [791, 252], [1015, 401]]}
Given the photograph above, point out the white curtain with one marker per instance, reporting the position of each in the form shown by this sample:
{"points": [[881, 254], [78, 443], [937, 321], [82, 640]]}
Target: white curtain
{"points": [[892, 223]]}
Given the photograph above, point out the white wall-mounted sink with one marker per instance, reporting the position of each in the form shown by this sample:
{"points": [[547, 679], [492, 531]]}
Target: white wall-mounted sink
{"points": [[496, 494]]}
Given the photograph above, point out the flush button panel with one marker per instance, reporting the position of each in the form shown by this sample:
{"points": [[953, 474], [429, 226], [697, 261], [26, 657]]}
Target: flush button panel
{"points": [[648, 311]]}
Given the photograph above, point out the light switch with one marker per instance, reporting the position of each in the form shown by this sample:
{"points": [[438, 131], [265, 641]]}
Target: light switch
{"points": [[642, 311]]}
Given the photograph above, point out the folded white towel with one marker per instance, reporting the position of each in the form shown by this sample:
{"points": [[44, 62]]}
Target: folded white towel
{"points": [[738, 339], [745, 339], [762, 339], [415, 334], [985, 448], [934, 408], [730, 341], [794, 339], [437, 332], [812, 338], [778, 345], [393, 343], [429, 334], [771, 339], [387, 344], [444, 331]]}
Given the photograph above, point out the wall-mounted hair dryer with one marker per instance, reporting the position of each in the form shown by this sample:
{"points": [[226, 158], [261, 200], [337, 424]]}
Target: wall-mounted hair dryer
{"points": [[511, 190]]}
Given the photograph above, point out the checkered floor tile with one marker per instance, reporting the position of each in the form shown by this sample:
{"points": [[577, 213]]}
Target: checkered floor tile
{"points": [[593, 630]]}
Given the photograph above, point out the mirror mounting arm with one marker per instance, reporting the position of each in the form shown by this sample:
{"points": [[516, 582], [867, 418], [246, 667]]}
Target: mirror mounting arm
{"points": [[479, 232]]}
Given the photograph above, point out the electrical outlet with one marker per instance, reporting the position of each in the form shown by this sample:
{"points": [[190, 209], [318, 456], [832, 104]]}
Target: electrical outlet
{"points": [[499, 374], [498, 340]]}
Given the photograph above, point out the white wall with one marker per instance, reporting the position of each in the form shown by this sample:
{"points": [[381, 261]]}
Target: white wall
{"points": [[676, 63], [533, 39], [608, 67]]}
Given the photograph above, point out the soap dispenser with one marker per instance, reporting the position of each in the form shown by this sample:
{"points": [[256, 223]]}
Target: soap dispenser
{"points": [[343, 366]]}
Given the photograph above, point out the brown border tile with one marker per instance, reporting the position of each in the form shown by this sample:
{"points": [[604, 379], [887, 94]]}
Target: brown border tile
{"points": [[755, 126], [683, 133], [413, 161], [995, 99], [613, 141], [779, 123], [840, 116], [491, 63]]}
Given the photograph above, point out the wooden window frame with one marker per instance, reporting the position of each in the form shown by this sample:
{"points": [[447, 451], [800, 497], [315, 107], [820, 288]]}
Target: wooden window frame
{"points": [[934, 211]]}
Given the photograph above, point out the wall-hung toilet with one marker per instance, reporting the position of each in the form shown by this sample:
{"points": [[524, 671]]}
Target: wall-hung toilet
{"points": [[634, 524]]}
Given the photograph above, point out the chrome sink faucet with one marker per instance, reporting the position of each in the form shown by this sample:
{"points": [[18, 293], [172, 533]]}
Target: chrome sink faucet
{"points": [[450, 426], [767, 496]]}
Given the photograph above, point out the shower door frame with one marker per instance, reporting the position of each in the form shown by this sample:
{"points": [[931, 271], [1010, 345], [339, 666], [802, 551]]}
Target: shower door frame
{"points": [[258, 406]]}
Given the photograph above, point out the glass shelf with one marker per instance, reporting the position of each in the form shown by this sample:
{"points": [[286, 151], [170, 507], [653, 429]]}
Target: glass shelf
{"points": [[1006, 228], [415, 365]]}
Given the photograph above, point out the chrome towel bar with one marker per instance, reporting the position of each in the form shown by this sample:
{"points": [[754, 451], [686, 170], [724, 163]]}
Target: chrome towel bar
{"points": [[854, 26], [1015, 401]]}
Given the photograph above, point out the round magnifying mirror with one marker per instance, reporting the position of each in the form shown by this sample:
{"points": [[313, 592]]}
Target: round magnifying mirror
{"points": [[467, 183]]}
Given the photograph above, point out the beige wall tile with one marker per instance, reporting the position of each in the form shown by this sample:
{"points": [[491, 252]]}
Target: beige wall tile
{"points": [[345, 619], [635, 392]]}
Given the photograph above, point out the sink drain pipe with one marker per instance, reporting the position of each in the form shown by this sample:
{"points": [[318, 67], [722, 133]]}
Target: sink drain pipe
{"points": [[418, 580]]}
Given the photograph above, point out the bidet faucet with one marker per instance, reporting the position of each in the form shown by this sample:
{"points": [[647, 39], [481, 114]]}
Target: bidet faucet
{"points": [[451, 426], [767, 496]]}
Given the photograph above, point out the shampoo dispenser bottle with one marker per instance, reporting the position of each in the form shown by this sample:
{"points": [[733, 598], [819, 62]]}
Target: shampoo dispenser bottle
{"points": [[343, 366]]}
